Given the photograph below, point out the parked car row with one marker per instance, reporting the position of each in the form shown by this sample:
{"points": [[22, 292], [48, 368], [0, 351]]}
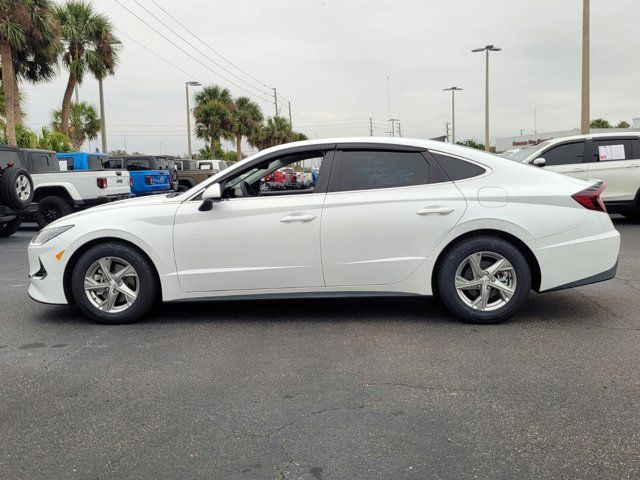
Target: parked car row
{"points": [[42, 186]]}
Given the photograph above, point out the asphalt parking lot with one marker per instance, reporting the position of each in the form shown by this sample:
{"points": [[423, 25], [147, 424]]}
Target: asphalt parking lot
{"points": [[333, 389]]}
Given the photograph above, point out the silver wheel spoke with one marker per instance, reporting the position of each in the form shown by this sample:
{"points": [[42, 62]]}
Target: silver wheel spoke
{"points": [[497, 266], [480, 303], [464, 284], [90, 284], [111, 301], [505, 292], [124, 272], [129, 294], [474, 262], [105, 266]]}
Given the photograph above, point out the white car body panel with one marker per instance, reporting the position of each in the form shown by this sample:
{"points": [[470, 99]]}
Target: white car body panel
{"points": [[362, 241], [82, 184]]}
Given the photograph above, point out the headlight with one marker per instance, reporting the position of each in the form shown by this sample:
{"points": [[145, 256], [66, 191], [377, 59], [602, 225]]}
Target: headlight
{"points": [[48, 234]]}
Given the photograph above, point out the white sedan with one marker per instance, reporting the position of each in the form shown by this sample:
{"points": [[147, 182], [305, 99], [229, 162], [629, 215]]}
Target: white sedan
{"points": [[385, 217]]}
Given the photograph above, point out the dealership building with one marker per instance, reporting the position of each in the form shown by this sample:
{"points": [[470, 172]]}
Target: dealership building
{"points": [[509, 143]]}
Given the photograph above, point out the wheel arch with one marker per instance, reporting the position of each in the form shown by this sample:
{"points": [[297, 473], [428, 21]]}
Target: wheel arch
{"points": [[75, 257], [42, 192], [528, 254]]}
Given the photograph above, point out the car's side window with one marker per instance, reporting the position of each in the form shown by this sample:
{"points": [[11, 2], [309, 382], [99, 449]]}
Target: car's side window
{"points": [[564, 154], [284, 175], [456, 168], [612, 149], [373, 169], [40, 163]]}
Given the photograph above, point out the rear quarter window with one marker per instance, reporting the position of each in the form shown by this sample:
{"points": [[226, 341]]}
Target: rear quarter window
{"points": [[456, 168]]}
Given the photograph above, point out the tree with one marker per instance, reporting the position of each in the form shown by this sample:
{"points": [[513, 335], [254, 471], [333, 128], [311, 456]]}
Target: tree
{"points": [[213, 115], [472, 144], [84, 35], [246, 117], [53, 140], [600, 123], [28, 30], [108, 50], [205, 154], [84, 123], [623, 124]]}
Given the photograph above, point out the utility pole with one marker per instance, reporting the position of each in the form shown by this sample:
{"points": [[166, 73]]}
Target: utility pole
{"points": [[446, 126], [453, 111], [486, 49], [125, 145], [585, 122], [290, 124], [186, 88], [275, 99], [393, 126], [399, 130], [370, 127]]}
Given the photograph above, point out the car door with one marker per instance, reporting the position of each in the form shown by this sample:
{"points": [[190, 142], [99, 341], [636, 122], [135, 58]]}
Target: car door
{"points": [[268, 241], [617, 161], [568, 158], [385, 212]]}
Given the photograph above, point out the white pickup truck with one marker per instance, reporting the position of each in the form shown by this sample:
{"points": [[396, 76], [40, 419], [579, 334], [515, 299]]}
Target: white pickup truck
{"points": [[59, 193]]}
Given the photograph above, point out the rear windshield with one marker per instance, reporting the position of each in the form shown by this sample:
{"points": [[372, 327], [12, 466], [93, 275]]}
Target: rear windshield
{"points": [[144, 163], [7, 157], [98, 162]]}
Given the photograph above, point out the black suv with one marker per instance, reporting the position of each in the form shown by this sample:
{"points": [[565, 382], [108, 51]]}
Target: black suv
{"points": [[16, 191]]}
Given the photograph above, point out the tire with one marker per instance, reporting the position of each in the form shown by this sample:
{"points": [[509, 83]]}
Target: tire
{"points": [[16, 187], [9, 228], [51, 208], [125, 309], [514, 276]]}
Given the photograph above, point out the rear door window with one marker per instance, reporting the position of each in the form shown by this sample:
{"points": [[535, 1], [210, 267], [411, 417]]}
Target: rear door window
{"points": [[134, 164], [9, 157], [613, 149], [564, 154], [456, 168], [373, 169], [98, 162], [41, 162]]}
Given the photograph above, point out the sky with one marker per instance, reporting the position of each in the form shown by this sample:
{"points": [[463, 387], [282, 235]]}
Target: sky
{"points": [[340, 63]]}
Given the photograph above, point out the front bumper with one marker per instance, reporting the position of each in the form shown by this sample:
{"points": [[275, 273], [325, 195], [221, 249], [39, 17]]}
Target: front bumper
{"points": [[46, 272]]}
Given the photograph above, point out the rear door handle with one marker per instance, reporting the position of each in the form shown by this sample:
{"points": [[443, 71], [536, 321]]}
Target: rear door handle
{"points": [[437, 210], [578, 170], [298, 218]]}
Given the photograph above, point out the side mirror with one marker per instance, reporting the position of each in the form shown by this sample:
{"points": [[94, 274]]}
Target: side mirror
{"points": [[539, 162], [212, 194]]}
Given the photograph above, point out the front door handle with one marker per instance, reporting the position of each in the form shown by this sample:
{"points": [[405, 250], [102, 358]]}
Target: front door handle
{"points": [[298, 218], [437, 210], [577, 170]]}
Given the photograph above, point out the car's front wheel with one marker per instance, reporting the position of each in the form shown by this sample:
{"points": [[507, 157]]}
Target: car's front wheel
{"points": [[113, 283], [484, 279], [9, 228]]}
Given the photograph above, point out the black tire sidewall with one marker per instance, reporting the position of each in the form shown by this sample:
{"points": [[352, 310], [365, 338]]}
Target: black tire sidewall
{"points": [[457, 254], [8, 191], [9, 228], [147, 294], [51, 201]]}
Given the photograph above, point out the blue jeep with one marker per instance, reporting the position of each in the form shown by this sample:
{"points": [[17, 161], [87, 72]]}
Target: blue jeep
{"points": [[149, 174]]}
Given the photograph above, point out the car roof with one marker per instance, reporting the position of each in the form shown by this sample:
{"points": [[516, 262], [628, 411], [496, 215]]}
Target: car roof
{"points": [[596, 135]]}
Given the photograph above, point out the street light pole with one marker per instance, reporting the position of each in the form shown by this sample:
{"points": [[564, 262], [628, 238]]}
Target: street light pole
{"points": [[453, 111], [486, 49], [186, 87], [585, 122]]}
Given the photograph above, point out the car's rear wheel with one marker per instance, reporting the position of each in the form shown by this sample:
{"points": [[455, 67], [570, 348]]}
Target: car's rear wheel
{"points": [[113, 283], [484, 280], [50, 209], [9, 228]]}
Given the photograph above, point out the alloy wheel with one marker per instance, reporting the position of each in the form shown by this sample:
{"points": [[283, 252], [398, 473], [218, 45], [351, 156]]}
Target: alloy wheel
{"points": [[485, 281], [23, 187], [111, 284]]}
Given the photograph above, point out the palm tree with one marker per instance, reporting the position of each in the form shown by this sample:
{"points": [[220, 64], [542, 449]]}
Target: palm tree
{"points": [[246, 116], [84, 123], [84, 35], [28, 31], [213, 114], [108, 49]]}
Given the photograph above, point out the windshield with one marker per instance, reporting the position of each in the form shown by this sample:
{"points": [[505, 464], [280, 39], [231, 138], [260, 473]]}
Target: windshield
{"points": [[526, 152]]}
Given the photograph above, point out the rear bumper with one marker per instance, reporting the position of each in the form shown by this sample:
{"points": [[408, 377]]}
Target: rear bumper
{"points": [[581, 256], [92, 202], [8, 214]]}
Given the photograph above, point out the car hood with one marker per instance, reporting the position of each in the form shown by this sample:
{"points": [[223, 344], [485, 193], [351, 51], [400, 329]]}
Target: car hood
{"points": [[100, 210]]}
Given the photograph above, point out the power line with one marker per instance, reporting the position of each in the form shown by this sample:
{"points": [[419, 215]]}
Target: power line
{"points": [[198, 50], [154, 53], [207, 45], [188, 54]]}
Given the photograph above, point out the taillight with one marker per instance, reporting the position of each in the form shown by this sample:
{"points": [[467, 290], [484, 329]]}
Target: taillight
{"points": [[131, 181], [102, 182], [589, 198], [148, 180]]}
